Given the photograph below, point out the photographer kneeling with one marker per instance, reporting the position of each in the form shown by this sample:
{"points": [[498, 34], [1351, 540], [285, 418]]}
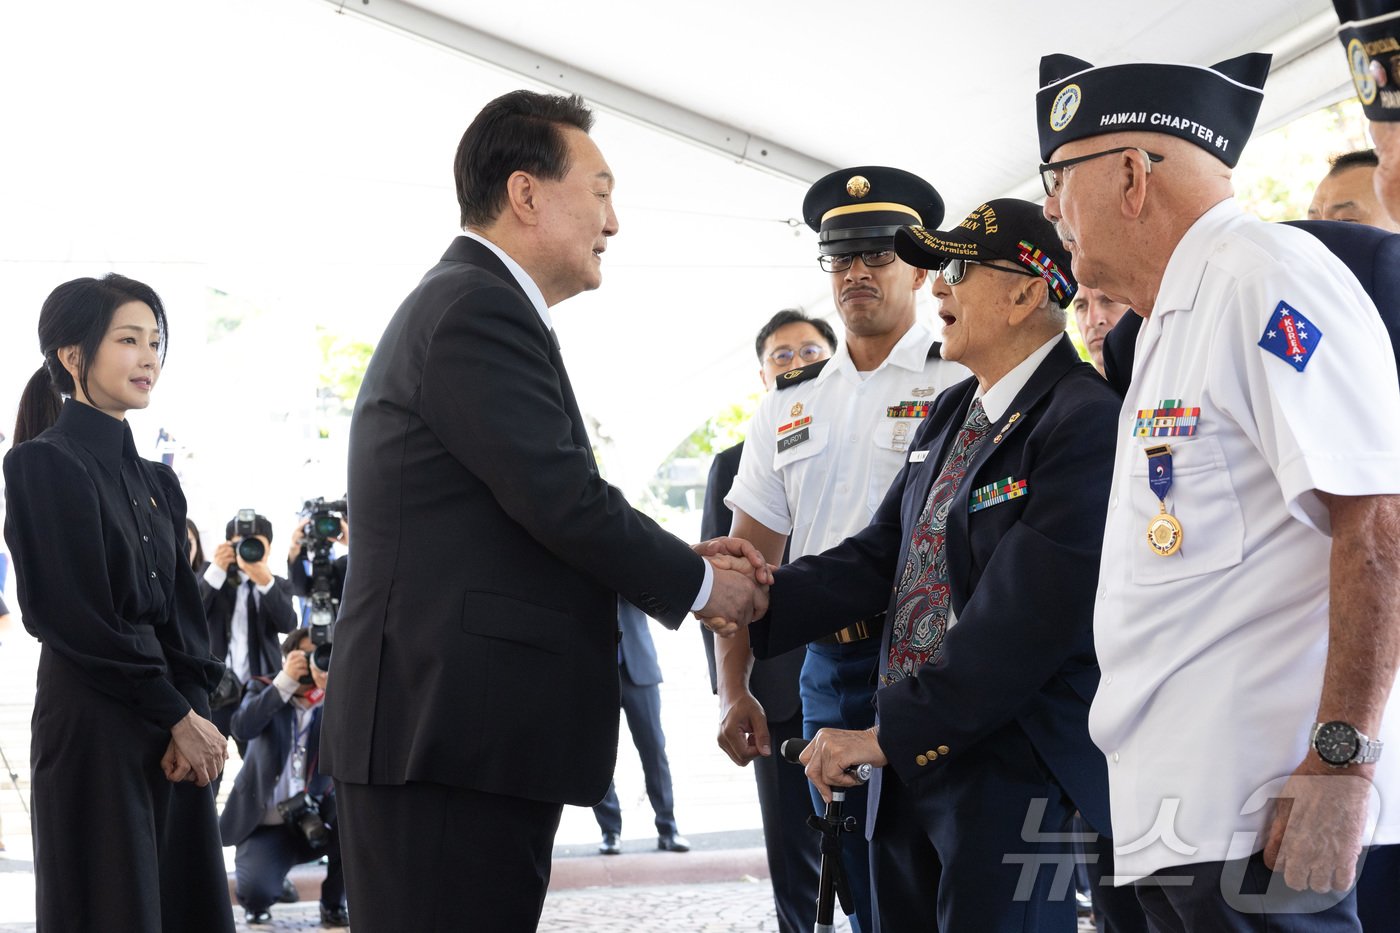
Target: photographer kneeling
{"points": [[281, 811]]}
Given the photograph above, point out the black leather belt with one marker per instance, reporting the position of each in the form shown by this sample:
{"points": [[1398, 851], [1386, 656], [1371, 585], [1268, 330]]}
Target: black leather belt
{"points": [[860, 631]]}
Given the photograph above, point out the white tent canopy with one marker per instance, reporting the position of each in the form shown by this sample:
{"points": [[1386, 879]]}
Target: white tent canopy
{"points": [[296, 154]]}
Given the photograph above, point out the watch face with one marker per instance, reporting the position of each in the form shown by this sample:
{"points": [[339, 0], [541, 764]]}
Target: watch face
{"points": [[1336, 743]]}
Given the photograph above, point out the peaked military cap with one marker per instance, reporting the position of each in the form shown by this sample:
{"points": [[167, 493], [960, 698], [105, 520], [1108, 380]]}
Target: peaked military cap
{"points": [[1213, 107], [1006, 228], [1370, 33], [859, 209]]}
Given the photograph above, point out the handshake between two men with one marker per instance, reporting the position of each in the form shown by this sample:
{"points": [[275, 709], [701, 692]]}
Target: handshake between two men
{"points": [[740, 591]]}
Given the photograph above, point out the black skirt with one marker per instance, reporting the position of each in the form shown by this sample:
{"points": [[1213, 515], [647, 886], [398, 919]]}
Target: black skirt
{"points": [[116, 845]]}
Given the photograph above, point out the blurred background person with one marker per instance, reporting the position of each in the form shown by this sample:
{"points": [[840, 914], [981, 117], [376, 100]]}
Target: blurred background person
{"points": [[125, 671], [1348, 192], [639, 677], [1095, 313], [281, 810], [195, 547]]}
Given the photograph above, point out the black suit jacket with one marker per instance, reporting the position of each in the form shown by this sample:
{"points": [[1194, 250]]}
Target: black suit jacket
{"points": [[276, 617], [772, 681], [267, 723], [1022, 576], [477, 641]]}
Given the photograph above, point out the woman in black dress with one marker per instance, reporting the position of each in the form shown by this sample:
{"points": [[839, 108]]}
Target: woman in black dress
{"points": [[125, 834]]}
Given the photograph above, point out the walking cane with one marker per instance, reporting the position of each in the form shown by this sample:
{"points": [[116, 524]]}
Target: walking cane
{"points": [[831, 882]]}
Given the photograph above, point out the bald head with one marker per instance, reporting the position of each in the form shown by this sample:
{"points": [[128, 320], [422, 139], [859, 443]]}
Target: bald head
{"points": [[1121, 215]]}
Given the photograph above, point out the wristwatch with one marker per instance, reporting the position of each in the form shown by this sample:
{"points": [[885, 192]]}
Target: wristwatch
{"points": [[1339, 744]]}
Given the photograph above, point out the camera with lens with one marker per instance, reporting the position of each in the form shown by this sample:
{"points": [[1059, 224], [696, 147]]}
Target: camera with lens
{"points": [[321, 528], [302, 813], [250, 549], [318, 658]]}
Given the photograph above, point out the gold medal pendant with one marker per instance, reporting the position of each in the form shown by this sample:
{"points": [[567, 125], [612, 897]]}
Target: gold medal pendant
{"points": [[1164, 533]]}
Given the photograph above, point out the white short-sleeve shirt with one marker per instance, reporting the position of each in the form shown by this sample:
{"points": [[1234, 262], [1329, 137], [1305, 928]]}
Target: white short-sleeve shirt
{"points": [[820, 456], [1266, 370]]}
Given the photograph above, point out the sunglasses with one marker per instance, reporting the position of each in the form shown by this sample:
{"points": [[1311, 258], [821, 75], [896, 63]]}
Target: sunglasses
{"points": [[955, 270]]}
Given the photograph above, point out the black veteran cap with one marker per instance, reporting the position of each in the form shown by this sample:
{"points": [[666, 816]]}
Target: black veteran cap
{"points": [[1212, 107], [1006, 228], [859, 209], [1370, 33]]}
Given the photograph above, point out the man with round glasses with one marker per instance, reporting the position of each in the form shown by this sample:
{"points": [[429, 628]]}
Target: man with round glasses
{"points": [[1246, 616], [822, 449], [984, 555]]}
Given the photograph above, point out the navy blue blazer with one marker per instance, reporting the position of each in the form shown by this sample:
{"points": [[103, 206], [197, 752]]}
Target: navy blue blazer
{"points": [[1022, 576], [638, 650], [266, 723]]}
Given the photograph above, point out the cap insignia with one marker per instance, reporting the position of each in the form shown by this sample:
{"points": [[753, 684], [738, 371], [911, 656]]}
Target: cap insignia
{"points": [[857, 186], [1361, 71], [1066, 105]]}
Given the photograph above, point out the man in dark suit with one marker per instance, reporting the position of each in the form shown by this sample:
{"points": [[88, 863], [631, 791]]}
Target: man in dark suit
{"points": [[280, 720], [790, 340], [249, 610], [990, 536], [639, 677], [474, 689]]}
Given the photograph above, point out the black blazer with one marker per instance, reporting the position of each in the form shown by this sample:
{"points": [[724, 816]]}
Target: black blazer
{"points": [[276, 617], [772, 681], [477, 640], [1022, 575], [97, 535], [266, 723]]}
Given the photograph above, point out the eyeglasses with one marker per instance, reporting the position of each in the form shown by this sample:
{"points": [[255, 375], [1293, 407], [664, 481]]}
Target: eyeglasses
{"points": [[810, 353], [955, 270], [840, 262], [1052, 179]]}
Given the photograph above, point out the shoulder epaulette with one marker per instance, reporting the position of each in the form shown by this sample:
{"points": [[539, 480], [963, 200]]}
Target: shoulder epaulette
{"points": [[793, 376]]}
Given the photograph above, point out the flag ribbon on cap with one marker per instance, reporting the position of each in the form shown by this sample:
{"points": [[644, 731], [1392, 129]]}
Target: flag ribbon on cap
{"points": [[1032, 257]]}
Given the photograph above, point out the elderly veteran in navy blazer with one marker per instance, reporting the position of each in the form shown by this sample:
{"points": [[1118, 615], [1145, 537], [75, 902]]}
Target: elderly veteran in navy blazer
{"points": [[984, 554], [474, 689]]}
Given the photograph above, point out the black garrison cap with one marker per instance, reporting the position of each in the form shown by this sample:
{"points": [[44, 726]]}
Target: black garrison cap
{"points": [[1006, 228], [1212, 107], [1370, 32]]}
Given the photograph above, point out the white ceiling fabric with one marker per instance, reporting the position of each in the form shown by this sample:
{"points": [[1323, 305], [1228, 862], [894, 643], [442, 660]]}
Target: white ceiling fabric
{"points": [[298, 153]]}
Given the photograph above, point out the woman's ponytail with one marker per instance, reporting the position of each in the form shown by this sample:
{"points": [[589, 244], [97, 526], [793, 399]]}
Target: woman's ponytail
{"points": [[39, 406]]}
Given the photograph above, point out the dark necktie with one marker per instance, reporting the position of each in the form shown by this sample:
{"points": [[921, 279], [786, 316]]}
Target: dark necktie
{"points": [[921, 606], [254, 652]]}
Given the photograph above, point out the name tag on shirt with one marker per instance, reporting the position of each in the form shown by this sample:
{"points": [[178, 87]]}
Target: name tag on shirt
{"points": [[793, 439], [918, 456]]}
